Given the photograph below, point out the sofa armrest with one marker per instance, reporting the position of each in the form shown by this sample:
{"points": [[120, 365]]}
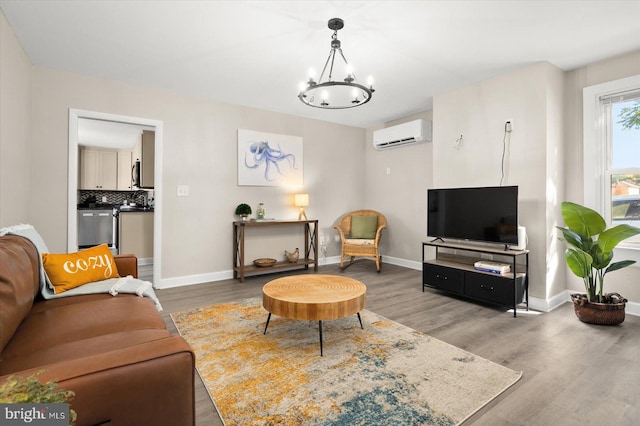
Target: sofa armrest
{"points": [[149, 383], [127, 264]]}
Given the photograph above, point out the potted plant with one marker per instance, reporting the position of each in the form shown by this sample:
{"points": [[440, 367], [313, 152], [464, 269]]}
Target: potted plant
{"points": [[589, 256], [243, 210], [19, 390]]}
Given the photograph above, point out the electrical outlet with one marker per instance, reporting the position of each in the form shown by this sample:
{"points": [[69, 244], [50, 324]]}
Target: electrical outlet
{"points": [[183, 190], [322, 240], [104, 198]]}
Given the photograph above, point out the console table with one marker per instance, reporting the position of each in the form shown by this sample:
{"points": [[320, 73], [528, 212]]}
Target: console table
{"points": [[309, 251], [454, 272]]}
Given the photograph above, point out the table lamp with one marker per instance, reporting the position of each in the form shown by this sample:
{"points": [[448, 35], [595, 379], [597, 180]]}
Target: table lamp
{"points": [[302, 201]]}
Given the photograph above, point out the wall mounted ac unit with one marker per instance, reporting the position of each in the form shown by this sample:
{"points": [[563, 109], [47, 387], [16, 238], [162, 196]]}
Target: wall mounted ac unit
{"points": [[409, 133]]}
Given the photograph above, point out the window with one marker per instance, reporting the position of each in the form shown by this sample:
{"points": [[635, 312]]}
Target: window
{"points": [[612, 152]]}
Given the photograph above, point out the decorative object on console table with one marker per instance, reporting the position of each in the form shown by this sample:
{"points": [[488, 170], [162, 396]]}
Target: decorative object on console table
{"points": [[302, 201], [589, 257], [456, 273], [292, 257], [310, 249], [243, 210], [261, 211], [264, 262]]}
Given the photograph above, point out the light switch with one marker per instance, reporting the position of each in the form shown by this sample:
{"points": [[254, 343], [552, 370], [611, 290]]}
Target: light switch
{"points": [[388, 170], [183, 190]]}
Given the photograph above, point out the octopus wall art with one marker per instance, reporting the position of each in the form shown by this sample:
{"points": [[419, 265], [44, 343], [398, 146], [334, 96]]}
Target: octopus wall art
{"points": [[266, 159]]}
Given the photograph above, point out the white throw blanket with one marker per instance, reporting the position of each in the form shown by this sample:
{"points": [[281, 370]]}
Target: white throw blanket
{"points": [[111, 286]]}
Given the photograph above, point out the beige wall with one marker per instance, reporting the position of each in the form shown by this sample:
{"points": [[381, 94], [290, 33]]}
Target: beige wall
{"points": [[624, 281], [15, 140], [401, 194], [200, 150], [478, 112]]}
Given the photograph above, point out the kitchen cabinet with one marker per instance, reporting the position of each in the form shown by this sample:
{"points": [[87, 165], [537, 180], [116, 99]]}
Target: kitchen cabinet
{"points": [[125, 164], [136, 234], [98, 169]]}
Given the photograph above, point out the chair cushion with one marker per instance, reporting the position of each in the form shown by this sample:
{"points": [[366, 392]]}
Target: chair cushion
{"points": [[359, 241], [364, 226]]}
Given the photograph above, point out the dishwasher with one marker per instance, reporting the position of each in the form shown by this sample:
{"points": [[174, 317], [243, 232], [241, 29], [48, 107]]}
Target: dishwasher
{"points": [[98, 226]]}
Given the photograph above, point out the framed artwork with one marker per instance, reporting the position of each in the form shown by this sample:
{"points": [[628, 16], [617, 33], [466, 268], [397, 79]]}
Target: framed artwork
{"points": [[268, 159]]}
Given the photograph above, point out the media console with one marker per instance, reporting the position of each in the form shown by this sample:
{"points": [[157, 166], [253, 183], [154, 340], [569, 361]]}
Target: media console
{"points": [[452, 270]]}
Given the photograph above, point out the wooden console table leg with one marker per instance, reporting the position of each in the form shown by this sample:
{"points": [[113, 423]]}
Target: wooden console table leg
{"points": [[241, 266], [315, 245]]}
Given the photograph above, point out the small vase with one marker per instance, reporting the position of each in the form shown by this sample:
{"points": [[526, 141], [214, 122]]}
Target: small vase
{"points": [[261, 211]]}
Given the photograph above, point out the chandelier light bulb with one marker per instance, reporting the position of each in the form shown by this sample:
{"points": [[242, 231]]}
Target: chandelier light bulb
{"points": [[311, 73], [370, 81], [302, 86], [349, 70]]}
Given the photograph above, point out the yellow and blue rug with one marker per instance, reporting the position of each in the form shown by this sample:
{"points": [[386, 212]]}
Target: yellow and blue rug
{"points": [[386, 374]]}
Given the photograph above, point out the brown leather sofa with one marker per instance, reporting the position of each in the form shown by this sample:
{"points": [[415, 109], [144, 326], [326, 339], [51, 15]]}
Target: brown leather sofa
{"points": [[115, 353]]}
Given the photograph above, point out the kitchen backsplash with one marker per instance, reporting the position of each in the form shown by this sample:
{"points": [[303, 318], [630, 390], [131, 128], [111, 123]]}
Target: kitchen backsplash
{"points": [[114, 197]]}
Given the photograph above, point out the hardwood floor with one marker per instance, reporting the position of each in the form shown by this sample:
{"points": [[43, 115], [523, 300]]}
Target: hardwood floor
{"points": [[573, 373]]}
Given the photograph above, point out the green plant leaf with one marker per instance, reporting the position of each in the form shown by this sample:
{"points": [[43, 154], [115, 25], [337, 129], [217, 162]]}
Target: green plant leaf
{"points": [[610, 238], [600, 258], [582, 220], [571, 237], [619, 265], [578, 261]]}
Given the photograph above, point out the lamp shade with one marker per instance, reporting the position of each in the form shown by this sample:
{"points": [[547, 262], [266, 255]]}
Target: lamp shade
{"points": [[301, 200]]}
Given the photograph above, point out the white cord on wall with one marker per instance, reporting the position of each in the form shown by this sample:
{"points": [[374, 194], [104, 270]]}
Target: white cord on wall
{"points": [[506, 151], [458, 143]]}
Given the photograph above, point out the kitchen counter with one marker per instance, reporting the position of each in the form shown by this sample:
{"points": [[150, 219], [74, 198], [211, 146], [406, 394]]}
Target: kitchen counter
{"points": [[120, 208], [124, 209]]}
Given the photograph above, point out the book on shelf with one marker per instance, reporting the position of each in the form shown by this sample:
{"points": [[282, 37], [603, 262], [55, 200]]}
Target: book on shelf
{"points": [[492, 267]]}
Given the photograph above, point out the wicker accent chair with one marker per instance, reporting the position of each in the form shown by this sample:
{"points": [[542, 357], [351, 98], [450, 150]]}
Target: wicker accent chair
{"points": [[363, 247]]}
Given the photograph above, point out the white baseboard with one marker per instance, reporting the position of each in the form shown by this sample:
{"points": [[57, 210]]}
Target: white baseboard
{"points": [[194, 279], [632, 308], [550, 304]]}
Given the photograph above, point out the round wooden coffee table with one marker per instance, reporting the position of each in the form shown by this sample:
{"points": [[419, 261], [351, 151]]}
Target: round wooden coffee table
{"points": [[314, 297]]}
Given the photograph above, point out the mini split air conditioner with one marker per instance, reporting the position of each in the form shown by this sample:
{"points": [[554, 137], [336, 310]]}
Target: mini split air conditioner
{"points": [[409, 133]]}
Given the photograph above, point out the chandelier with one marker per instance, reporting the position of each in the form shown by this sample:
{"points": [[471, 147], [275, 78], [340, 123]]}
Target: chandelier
{"points": [[335, 94]]}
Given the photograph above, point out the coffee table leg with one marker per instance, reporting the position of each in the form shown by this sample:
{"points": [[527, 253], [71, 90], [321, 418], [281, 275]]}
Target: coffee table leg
{"points": [[360, 319], [265, 327], [320, 329]]}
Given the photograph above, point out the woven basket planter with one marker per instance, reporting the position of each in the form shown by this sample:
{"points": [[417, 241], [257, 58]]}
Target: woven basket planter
{"points": [[611, 313]]}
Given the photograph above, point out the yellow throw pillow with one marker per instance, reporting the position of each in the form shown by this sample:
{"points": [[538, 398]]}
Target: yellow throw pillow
{"points": [[67, 271]]}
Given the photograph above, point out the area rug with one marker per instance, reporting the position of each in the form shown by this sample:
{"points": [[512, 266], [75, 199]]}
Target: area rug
{"points": [[384, 374]]}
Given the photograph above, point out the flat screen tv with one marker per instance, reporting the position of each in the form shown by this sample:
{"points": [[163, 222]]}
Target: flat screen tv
{"points": [[488, 214]]}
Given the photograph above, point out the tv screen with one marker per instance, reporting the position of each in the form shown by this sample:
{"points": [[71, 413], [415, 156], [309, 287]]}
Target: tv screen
{"points": [[488, 214]]}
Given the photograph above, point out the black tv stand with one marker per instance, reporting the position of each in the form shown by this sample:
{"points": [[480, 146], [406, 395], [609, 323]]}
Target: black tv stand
{"points": [[454, 272]]}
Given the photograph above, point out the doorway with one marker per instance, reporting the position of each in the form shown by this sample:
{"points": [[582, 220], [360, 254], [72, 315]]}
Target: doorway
{"points": [[72, 231]]}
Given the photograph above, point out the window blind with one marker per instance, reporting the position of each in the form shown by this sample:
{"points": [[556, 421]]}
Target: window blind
{"points": [[614, 98]]}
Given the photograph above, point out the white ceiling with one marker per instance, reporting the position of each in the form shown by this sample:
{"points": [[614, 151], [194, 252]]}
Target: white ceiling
{"points": [[255, 53]]}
